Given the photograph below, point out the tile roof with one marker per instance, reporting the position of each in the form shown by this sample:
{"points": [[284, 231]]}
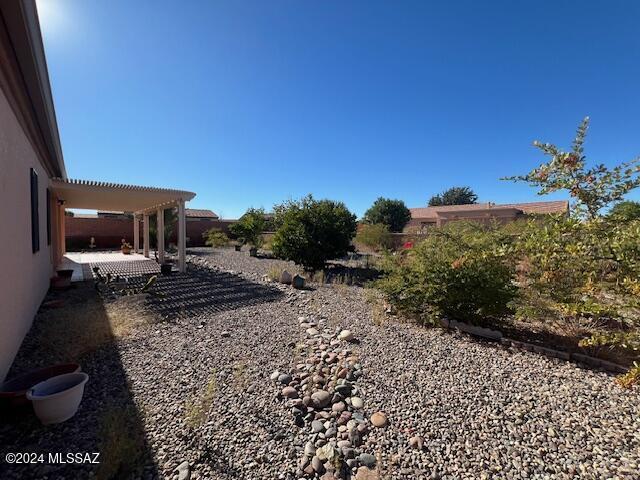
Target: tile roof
{"points": [[560, 206], [199, 213]]}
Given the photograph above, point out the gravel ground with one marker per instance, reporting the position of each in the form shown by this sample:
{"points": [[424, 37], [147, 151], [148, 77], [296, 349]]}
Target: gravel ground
{"points": [[456, 408]]}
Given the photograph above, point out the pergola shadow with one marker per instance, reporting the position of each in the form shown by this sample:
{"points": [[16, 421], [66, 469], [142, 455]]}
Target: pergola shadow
{"points": [[196, 292]]}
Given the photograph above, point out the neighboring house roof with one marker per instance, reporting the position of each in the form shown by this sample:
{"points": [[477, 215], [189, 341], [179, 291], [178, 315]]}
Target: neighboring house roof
{"points": [[530, 208], [200, 213]]}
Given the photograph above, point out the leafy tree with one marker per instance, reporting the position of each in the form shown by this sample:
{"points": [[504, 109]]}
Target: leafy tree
{"points": [[313, 231], [592, 188], [625, 211], [392, 213], [375, 236], [250, 226], [454, 196]]}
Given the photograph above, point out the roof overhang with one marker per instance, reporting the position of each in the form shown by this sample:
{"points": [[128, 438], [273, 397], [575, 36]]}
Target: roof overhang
{"points": [[30, 80], [113, 196]]}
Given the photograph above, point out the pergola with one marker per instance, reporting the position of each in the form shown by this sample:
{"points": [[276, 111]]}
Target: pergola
{"points": [[142, 201]]}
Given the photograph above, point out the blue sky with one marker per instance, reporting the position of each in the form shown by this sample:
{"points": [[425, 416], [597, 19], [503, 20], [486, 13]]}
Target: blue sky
{"points": [[248, 103]]}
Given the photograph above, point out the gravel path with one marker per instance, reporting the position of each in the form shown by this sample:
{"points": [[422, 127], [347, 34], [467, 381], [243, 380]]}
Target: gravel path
{"points": [[456, 408]]}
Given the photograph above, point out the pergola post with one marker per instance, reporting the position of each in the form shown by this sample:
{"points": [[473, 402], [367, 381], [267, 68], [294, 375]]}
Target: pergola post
{"points": [[145, 234], [160, 235], [136, 233], [182, 237]]}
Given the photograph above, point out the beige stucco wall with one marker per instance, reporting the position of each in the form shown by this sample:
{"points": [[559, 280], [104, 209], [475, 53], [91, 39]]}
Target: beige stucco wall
{"points": [[24, 276]]}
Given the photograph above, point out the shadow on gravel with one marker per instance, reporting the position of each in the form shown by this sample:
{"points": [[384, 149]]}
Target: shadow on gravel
{"points": [[201, 290], [107, 422]]}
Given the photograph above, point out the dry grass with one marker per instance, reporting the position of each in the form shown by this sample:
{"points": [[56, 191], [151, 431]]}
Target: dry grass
{"points": [[378, 309], [197, 408], [240, 378], [85, 324], [121, 445]]}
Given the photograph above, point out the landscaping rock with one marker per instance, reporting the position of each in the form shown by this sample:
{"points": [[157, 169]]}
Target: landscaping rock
{"points": [[379, 420], [286, 277], [297, 282]]}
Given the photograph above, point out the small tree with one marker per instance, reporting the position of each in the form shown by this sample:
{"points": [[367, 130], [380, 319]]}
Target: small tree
{"points": [[250, 227], [454, 196], [313, 231], [392, 213], [214, 237], [374, 236], [591, 188], [625, 211]]}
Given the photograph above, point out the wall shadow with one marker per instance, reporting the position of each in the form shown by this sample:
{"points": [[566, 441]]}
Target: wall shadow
{"points": [[107, 421]]}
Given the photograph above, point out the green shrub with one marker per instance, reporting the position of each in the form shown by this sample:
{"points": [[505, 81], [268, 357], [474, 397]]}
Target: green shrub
{"points": [[462, 271], [376, 237], [392, 213], [310, 231], [579, 269], [215, 237], [249, 227]]}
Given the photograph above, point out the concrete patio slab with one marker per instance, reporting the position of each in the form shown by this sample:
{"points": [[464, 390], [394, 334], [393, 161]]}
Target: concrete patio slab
{"points": [[110, 262]]}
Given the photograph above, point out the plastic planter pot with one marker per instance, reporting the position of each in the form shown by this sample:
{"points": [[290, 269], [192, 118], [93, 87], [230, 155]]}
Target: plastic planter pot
{"points": [[166, 268], [238, 247], [13, 391], [57, 399], [253, 252], [66, 273]]}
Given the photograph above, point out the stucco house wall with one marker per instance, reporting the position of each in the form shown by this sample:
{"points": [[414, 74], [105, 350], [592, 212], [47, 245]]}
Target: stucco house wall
{"points": [[25, 275]]}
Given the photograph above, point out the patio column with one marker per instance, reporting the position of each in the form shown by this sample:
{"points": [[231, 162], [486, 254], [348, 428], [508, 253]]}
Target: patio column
{"points": [[182, 237], [136, 234], [63, 231], [160, 235], [145, 234]]}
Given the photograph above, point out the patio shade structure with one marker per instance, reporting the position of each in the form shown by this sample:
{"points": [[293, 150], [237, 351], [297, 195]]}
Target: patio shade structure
{"points": [[142, 201]]}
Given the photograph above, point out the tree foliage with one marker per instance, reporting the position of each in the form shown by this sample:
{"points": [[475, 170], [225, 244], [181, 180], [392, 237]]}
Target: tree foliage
{"points": [[454, 196], [249, 228], [592, 188], [625, 211], [310, 231], [392, 213]]}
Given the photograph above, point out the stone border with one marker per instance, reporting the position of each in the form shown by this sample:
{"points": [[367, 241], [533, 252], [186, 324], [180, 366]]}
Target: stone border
{"points": [[567, 356]]}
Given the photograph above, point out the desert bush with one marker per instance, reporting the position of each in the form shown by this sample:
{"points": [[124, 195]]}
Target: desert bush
{"points": [[462, 271], [313, 231], [392, 213], [214, 237], [249, 227], [375, 236], [581, 270]]}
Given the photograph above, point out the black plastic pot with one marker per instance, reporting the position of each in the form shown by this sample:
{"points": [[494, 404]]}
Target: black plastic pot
{"points": [[166, 269], [65, 273], [238, 247], [253, 252]]}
